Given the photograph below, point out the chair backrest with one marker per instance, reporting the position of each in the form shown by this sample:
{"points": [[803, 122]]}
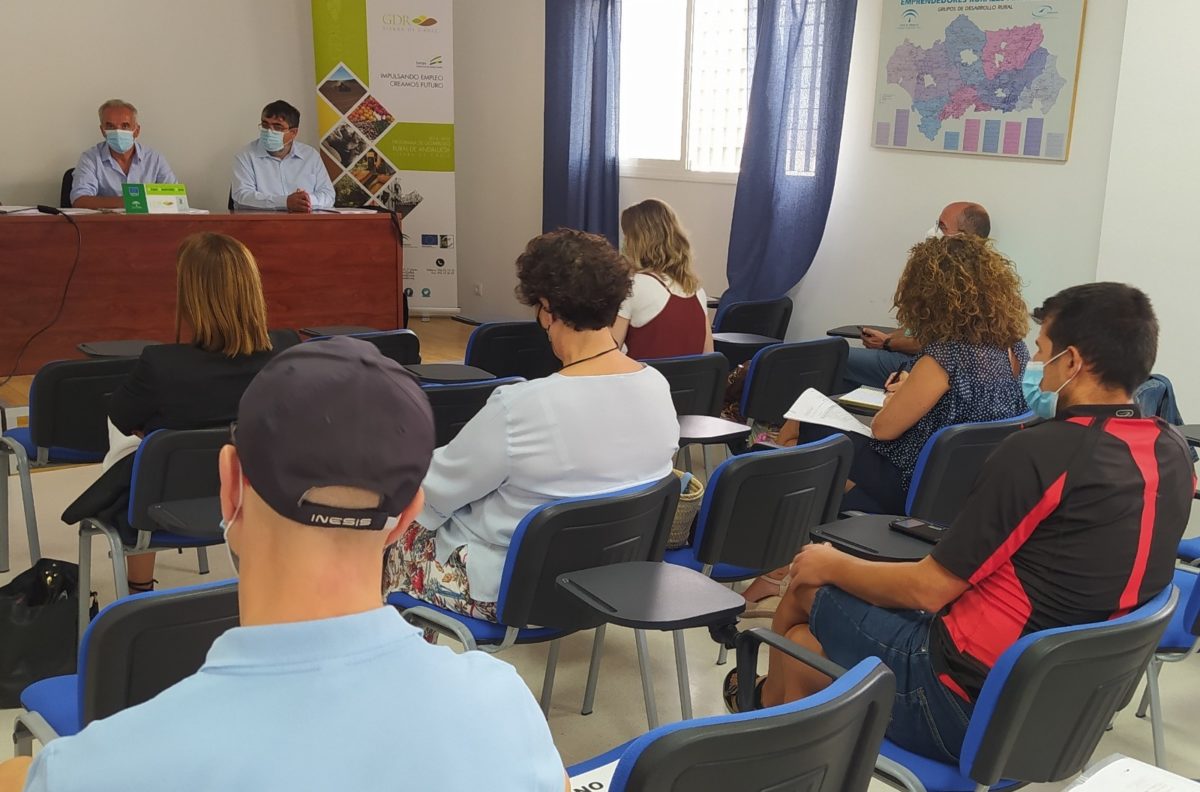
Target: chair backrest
{"points": [[512, 349], [454, 404], [949, 464], [402, 346], [580, 533], [761, 317], [778, 374], [68, 402], [1051, 695], [141, 645], [284, 337], [759, 507], [64, 193], [173, 464], [826, 742], [697, 381]]}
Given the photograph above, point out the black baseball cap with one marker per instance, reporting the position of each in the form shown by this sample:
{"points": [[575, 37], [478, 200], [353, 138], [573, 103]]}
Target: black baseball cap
{"points": [[331, 413]]}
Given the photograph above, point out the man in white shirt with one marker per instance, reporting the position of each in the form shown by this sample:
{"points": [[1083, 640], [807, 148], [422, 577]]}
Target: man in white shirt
{"points": [[103, 169], [321, 687], [278, 172]]}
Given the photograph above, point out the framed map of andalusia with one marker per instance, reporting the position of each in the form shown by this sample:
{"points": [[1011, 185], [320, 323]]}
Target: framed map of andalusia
{"points": [[982, 77]]}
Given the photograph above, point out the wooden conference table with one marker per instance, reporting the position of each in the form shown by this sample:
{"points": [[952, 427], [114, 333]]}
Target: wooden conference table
{"points": [[322, 269]]}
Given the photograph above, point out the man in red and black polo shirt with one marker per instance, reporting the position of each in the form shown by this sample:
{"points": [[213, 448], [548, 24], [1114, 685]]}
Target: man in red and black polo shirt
{"points": [[1074, 520]]}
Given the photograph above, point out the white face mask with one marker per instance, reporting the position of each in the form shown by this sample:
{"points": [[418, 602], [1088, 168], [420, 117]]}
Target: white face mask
{"points": [[934, 233], [227, 524]]}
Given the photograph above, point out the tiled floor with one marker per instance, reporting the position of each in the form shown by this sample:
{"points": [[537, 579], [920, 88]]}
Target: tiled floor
{"points": [[619, 713]]}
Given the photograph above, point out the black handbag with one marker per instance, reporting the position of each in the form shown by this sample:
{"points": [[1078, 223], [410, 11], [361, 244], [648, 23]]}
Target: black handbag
{"points": [[38, 627]]}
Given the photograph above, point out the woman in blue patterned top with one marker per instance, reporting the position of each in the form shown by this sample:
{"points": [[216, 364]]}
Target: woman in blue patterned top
{"points": [[962, 300]]}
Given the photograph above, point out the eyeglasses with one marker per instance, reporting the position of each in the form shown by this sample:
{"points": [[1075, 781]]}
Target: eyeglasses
{"points": [[273, 127]]}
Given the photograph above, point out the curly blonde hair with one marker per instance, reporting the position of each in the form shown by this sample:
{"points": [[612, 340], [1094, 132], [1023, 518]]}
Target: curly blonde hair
{"points": [[961, 289], [655, 242]]}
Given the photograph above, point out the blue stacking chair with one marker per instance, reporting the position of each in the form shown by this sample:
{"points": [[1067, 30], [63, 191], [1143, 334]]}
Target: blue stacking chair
{"points": [[402, 346], [1044, 707], [1179, 642], [826, 742], [779, 373], [68, 424], [511, 349], [455, 404], [758, 509], [1189, 550], [136, 648], [169, 466], [768, 318], [554, 539]]}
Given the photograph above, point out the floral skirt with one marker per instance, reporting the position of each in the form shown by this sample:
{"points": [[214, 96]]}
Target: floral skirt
{"points": [[411, 566]]}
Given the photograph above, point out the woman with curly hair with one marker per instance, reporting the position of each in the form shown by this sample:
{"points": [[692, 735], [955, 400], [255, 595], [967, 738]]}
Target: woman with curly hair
{"points": [[565, 435], [667, 311], [962, 301]]}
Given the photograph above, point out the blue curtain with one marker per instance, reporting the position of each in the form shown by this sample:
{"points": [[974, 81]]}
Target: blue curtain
{"points": [[580, 169], [801, 57]]}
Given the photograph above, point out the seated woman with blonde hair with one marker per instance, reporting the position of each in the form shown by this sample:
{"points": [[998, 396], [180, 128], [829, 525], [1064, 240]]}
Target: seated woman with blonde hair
{"points": [[666, 313], [962, 301], [195, 384]]}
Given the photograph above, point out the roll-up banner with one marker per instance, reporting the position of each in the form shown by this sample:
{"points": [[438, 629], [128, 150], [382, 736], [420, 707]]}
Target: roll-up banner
{"points": [[385, 113]]}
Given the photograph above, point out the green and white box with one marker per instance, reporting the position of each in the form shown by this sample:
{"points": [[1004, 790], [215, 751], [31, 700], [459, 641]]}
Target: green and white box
{"points": [[155, 198]]}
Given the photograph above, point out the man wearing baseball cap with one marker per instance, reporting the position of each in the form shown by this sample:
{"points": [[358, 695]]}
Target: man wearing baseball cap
{"points": [[321, 687]]}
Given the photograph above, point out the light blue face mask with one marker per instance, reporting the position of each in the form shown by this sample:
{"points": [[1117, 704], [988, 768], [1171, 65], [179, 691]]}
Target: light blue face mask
{"points": [[119, 140], [1043, 403], [225, 525], [272, 139]]}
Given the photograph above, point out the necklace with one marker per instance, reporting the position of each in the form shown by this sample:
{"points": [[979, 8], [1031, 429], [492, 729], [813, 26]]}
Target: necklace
{"points": [[589, 357]]}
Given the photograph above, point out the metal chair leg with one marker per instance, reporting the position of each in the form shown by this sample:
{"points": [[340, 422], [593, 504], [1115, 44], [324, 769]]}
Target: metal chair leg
{"points": [[35, 549], [4, 563], [722, 655], [643, 652], [589, 693], [116, 551], [202, 559], [681, 674], [1156, 715], [85, 578], [548, 680]]}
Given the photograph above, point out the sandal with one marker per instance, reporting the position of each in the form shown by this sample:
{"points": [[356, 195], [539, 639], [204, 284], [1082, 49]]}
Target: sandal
{"points": [[729, 691], [762, 611]]}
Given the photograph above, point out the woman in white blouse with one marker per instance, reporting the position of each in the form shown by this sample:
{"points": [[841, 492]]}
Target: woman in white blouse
{"points": [[570, 434]]}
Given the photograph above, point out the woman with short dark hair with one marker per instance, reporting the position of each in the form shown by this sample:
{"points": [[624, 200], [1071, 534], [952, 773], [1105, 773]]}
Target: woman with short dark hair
{"points": [[570, 434]]}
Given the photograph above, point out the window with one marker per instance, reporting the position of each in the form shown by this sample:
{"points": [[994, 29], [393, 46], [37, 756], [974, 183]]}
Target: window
{"points": [[686, 67]]}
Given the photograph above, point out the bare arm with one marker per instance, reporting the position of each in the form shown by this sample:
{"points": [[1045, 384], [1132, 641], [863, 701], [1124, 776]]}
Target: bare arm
{"points": [[97, 202], [708, 342], [916, 585], [907, 402], [13, 772], [620, 329], [899, 342]]}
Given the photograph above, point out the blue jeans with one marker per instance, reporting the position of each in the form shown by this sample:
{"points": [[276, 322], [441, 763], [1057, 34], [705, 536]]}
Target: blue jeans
{"points": [[871, 366], [927, 718]]}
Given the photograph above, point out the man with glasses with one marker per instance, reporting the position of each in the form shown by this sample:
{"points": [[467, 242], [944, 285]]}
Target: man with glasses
{"points": [[278, 172], [117, 160]]}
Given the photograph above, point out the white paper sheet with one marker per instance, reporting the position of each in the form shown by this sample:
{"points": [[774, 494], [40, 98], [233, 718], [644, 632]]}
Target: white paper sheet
{"points": [[815, 407], [1122, 774], [597, 780]]}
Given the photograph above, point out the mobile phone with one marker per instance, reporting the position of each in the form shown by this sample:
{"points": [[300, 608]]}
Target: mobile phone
{"points": [[918, 529]]}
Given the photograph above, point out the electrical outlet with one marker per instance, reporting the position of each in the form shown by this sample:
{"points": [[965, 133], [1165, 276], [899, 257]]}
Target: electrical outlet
{"points": [[478, 289]]}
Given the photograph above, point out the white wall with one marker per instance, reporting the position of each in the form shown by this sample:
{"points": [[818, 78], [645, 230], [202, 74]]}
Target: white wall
{"points": [[1150, 209], [198, 72], [1045, 216]]}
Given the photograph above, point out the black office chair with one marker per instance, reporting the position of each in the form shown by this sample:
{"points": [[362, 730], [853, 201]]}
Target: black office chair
{"points": [[511, 349], [283, 338], [402, 346], [230, 204], [64, 193], [757, 317], [697, 382], [68, 424], [555, 539], [826, 742], [778, 374], [456, 404], [759, 507], [945, 474], [170, 465], [136, 648]]}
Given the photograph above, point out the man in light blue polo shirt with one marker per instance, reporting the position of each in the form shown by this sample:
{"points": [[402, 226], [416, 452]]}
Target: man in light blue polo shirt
{"points": [[277, 171], [320, 687], [120, 159]]}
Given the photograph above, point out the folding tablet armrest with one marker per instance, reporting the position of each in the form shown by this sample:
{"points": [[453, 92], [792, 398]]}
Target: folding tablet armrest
{"points": [[748, 643]]}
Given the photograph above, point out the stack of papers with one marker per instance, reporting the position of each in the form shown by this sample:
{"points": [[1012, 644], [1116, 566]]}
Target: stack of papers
{"points": [[1122, 774], [5, 210], [817, 408]]}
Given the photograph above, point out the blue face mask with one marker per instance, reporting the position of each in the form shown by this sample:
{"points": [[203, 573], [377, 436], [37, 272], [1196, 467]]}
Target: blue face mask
{"points": [[1043, 403], [225, 525], [272, 139], [119, 140]]}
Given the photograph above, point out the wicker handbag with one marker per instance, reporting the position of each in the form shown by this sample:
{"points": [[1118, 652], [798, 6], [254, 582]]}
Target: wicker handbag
{"points": [[685, 512]]}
